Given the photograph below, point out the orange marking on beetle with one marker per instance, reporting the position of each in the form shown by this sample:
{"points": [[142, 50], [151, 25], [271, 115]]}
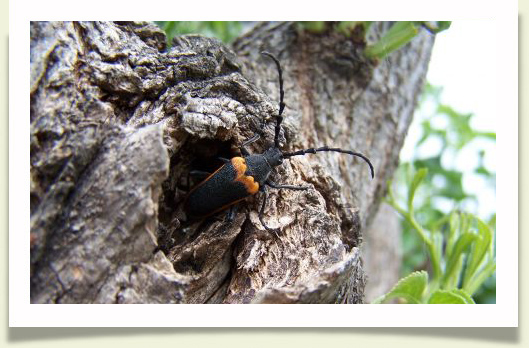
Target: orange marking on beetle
{"points": [[248, 181]]}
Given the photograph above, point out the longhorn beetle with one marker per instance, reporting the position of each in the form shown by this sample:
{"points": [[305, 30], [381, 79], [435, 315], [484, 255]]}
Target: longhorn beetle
{"points": [[244, 176]]}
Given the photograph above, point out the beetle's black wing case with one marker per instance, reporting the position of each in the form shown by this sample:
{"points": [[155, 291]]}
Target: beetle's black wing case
{"points": [[215, 193]]}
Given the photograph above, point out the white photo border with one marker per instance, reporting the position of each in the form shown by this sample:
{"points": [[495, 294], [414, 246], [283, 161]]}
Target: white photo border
{"points": [[504, 78]]}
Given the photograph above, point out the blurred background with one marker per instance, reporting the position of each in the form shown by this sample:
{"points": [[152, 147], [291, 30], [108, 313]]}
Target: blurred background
{"points": [[452, 134]]}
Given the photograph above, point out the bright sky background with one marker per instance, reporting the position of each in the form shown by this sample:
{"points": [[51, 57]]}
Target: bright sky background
{"points": [[464, 63]]}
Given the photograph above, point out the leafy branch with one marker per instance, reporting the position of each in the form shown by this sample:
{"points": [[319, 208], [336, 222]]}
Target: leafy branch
{"points": [[467, 260], [400, 34]]}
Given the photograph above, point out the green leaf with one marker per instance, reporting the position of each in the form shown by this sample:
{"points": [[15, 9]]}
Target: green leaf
{"points": [[436, 27], [397, 36], [226, 31], [436, 252], [416, 181], [346, 27], [355, 29], [453, 232], [488, 135], [455, 261], [460, 129], [481, 277], [454, 296], [443, 25], [314, 26], [465, 295], [410, 288], [492, 221], [479, 250]]}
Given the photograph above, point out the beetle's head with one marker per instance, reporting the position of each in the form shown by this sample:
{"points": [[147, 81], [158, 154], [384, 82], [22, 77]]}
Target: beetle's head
{"points": [[273, 156]]}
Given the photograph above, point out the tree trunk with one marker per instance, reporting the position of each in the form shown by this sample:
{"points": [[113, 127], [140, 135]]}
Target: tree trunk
{"points": [[118, 123]]}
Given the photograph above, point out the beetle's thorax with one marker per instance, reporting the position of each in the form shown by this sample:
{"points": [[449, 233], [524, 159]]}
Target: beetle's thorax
{"points": [[273, 156], [260, 166]]}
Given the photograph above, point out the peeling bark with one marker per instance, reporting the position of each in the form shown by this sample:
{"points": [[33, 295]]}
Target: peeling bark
{"points": [[118, 122]]}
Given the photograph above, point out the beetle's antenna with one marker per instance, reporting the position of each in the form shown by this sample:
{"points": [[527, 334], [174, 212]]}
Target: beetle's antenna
{"points": [[326, 148], [281, 98]]}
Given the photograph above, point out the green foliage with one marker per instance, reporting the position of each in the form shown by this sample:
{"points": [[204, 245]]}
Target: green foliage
{"points": [[348, 27], [441, 124], [413, 289], [458, 270], [314, 26], [454, 296], [225, 31], [400, 34], [457, 247]]}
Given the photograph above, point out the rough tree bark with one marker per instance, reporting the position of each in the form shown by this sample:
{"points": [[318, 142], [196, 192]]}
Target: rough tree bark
{"points": [[118, 121]]}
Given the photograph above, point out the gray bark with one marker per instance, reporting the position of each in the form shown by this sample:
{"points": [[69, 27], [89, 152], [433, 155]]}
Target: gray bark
{"points": [[382, 254], [117, 123]]}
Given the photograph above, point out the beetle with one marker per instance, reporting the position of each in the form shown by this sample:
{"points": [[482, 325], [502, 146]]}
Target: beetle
{"points": [[248, 174]]}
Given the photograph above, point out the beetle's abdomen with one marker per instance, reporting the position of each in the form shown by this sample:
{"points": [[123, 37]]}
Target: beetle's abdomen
{"points": [[227, 186]]}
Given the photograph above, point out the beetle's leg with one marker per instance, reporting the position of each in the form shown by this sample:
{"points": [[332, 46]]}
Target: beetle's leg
{"points": [[199, 173], [231, 213], [261, 212], [244, 152], [289, 187], [253, 139]]}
